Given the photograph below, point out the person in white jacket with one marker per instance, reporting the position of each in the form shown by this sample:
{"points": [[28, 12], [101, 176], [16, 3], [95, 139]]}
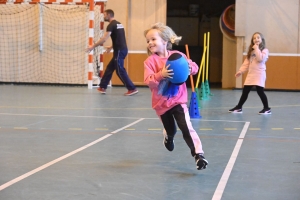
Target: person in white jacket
{"points": [[255, 64]]}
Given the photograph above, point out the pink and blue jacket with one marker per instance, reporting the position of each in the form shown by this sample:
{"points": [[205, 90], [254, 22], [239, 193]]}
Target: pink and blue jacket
{"points": [[152, 76]]}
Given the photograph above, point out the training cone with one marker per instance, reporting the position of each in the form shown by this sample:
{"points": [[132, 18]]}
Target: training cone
{"points": [[194, 108], [207, 89], [203, 93], [198, 99]]}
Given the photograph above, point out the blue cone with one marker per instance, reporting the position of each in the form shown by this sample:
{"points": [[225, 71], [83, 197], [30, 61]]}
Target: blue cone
{"points": [[194, 108]]}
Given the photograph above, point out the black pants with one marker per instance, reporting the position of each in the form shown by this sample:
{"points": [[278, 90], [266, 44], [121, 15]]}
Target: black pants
{"points": [[117, 63], [189, 134], [260, 92]]}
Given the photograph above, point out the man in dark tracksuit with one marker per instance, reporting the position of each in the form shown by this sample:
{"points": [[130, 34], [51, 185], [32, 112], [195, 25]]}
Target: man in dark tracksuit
{"points": [[116, 30]]}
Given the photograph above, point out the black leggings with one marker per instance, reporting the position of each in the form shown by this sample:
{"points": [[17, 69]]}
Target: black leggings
{"points": [[189, 134], [260, 92]]}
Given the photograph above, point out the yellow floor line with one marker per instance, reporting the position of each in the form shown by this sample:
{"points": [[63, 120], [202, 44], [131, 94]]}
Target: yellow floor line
{"points": [[20, 128], [159, 129], [230, 129], [101, 129], [277, 129], [75, 129]]}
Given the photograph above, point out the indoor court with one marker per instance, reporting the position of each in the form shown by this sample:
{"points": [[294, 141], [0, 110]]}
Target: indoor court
{"points": [[60, 142], [60, 139]]}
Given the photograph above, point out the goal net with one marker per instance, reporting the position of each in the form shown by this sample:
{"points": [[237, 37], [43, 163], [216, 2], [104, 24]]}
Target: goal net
{"points": [[46, 43]]}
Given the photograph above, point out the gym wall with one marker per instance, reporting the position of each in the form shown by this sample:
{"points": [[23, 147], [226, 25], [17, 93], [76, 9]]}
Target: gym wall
{"points": [[278, 21]]}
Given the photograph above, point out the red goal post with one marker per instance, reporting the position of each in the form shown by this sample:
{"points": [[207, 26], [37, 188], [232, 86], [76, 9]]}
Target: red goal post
{"points": [[91, 4]]}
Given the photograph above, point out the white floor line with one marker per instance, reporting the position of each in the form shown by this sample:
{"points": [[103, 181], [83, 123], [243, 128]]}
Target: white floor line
{"points": [[223, 181], [120, 129], [51, 163], [9, 183]]}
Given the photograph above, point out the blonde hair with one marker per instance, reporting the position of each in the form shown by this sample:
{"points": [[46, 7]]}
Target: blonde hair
{"points": [[166, 33]]}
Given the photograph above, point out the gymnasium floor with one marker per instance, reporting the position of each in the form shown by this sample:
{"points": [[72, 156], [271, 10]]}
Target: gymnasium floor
{"points": [[72, 143]]}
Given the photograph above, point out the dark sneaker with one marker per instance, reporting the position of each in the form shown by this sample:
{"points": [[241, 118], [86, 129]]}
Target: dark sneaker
{"points": [[201, 162], [235, 110], [169, 143], [265, 111], [131, 92], [102, 90]]}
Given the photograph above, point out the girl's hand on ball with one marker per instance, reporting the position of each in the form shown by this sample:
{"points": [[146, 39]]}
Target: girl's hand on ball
{"points": [[166, 72]]}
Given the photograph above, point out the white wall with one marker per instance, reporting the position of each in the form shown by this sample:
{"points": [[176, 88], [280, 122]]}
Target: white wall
{"points": [[137, 16], [277, 20]]}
